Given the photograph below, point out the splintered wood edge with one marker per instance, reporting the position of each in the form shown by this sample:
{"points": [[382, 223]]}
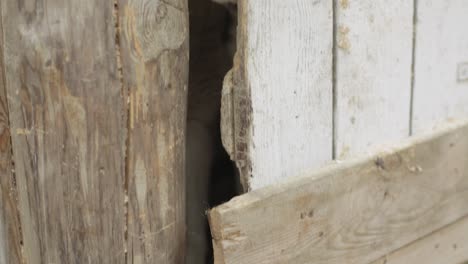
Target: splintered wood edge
{"points": [[217, 214], [235, 103]]}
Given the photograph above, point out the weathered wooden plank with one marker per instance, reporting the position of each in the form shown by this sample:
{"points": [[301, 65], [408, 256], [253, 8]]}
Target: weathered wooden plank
{"points": [[277, 101], [373, 74], [10, 248], [354, 212], [154, 46], [67, 129], [441, 63], [448, 245]]}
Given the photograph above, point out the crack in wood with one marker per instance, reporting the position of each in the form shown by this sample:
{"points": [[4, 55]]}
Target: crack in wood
{"points": [[125, 117]]}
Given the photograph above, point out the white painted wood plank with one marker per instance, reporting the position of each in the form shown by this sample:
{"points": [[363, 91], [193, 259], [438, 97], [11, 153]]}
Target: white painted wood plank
{"points": [[354, 212], [441, 63], [448, 245], [373, 73], [282, 94]]}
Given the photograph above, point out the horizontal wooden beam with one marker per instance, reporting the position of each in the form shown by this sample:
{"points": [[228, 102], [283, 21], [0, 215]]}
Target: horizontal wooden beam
{"points": [[448, 245], [352, 212]]}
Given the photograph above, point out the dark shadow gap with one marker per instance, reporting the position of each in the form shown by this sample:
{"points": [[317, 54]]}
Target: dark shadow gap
{"points": [[211, 176]]}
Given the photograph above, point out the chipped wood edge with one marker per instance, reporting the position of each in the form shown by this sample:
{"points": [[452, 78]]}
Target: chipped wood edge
{"points": [[236, 109]]}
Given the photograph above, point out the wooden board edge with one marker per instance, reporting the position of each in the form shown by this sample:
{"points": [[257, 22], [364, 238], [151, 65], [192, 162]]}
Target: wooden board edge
{"points": [[335, 166], [214, 219]]}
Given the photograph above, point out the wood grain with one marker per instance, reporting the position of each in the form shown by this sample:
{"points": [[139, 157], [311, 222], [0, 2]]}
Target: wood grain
{"points": [[154, 48], [373, 74], [441, 63], [10, 237], [67, 129], [277, 101], [448, 245], [353, 212]]}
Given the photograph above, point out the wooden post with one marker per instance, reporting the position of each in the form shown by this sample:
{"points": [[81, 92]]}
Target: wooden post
{"points": [[96, 94], [64, 93]]}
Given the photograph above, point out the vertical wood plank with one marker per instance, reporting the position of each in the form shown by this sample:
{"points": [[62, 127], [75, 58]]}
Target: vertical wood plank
{"points": [[441, 63], [154, 46], [10, 237], [373, 73], [67, 129], [279, 92]]}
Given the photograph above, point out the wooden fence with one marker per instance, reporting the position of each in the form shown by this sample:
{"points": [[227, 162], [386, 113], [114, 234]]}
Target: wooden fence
{"points": [[315, 81], [320, 82], [92, 132]]}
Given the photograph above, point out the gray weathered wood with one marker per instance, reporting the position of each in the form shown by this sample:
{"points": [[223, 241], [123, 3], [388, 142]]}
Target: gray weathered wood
{"points": [[154, 48], [10, 249], [354, 212], [277, 101], [66, 110], [448, 245]]}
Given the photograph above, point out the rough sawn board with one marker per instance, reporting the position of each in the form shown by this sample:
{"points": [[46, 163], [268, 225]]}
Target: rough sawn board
{"points": [[354, 212]]}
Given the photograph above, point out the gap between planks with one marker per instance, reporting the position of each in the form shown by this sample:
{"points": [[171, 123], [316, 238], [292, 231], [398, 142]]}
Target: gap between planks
{"points": [[125, 119]]}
